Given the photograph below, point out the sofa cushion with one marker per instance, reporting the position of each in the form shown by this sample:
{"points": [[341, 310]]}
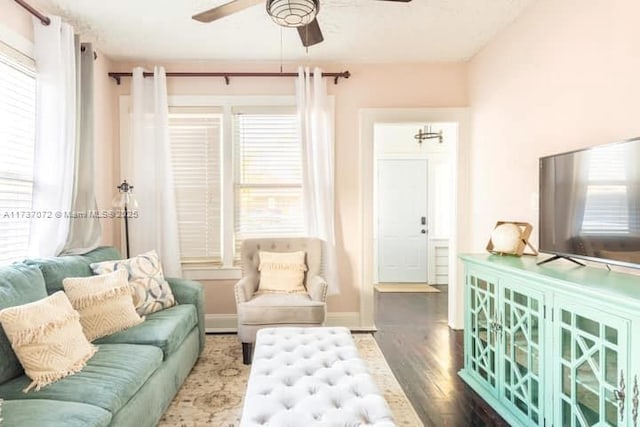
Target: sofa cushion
{"points": [[271, 308], [47, 337], [19, 284], [110, 379], [56, 269], [53, 413], [164, 329]]}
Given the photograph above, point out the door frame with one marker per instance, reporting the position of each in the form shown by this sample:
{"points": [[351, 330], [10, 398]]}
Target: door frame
{"points": [[376, 199], [368, 117]]}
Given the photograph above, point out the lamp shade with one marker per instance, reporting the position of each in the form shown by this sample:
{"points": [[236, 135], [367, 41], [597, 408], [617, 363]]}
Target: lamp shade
{"points": [[124, 198], [293, 13]]}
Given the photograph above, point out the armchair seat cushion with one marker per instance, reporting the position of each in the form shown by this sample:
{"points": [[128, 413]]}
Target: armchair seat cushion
{"points": [[272, 309]]}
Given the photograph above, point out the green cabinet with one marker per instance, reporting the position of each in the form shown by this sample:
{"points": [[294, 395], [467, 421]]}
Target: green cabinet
{"points": [[554, 345], [591, 366], [502, 343]]}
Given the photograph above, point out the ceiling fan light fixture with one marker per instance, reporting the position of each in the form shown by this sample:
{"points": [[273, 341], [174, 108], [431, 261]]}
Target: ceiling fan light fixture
{"points": [[293, 13]]}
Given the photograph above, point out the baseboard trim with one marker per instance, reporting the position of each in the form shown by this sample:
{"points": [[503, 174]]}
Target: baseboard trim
{"points": [[225, 323]]}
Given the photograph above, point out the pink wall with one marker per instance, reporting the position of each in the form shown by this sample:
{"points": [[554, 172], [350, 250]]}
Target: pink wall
{"points": [[563, 76], [106, 147], [371, 85], [16, 19]]}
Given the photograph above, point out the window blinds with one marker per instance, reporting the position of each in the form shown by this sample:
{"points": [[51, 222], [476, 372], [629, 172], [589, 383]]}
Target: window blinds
{"points": [[17, 143], [606, 207], [268, 171], [196, 134]]}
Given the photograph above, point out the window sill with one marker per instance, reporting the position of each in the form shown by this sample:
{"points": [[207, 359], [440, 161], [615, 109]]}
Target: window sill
{"points": [[211, 272]]}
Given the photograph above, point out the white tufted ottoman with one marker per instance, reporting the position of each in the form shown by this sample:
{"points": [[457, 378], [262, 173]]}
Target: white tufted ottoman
{"points": [[305, 377]]}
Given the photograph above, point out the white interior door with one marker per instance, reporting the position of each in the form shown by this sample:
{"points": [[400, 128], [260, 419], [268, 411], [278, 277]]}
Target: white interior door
{"points": [[402, 221]]}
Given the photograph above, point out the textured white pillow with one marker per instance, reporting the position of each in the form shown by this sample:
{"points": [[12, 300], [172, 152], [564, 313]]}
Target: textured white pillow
{"points": [[47, 337], [151, 292], [282, 272], [104, 302]]}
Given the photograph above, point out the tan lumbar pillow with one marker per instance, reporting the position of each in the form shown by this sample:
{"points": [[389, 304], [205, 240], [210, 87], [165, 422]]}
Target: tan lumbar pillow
{"points": [[104, 302], [47, 338], [282, 272]]}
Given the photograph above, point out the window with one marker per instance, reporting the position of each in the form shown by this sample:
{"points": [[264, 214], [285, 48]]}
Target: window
{"points": [[196, 134], [268, 182], [237, 168], [606, 206], [17, 143]]}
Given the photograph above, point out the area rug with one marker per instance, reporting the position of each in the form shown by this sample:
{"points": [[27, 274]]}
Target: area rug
{"points": [[212, 394], [404, 287]]}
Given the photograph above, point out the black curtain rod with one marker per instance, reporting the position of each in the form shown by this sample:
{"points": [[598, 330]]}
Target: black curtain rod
{"points": [[44, 19], [336, 76]]}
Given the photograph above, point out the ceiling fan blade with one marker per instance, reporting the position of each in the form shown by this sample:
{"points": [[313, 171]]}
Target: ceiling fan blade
{"points": [[225, 10], [310, 34]]}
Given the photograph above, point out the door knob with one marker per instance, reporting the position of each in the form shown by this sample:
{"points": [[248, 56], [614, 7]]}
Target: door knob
{"points": [[423, 231]]}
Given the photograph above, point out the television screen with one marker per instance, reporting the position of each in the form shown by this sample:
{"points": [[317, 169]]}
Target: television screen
{"points": [[590, 204]]}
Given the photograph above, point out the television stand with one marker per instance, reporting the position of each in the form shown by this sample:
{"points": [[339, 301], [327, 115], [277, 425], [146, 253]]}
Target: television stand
{"points": [[555, 257]]}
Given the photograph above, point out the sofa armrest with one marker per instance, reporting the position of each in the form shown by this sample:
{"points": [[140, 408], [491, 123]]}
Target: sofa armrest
{"points": [[245, 288], [190, 292], [318, 289]]}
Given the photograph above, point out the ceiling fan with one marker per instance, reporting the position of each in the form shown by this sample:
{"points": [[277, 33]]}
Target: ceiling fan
{"points": [[300, 14]]}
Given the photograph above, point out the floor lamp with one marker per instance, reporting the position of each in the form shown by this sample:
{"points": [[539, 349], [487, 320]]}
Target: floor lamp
{"points": [[124, 200]]}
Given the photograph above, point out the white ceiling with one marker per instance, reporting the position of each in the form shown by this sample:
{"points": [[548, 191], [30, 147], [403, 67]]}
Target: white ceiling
{"points": [[354, 30]]}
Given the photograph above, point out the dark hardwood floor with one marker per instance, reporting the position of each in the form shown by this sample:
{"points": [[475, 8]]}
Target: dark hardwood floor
{"points": [[425, 356]]}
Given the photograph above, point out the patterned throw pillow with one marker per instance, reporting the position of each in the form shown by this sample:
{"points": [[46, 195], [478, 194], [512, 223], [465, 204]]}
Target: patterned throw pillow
{"points": [[151, 292], [282, 272], [47, 337], [104, 302]]}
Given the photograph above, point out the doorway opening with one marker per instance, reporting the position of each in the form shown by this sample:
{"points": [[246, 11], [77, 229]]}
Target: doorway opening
{"points": [[393, 160], [412, 205]]}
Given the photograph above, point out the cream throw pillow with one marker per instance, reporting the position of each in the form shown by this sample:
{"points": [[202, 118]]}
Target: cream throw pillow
{"points": [[282, 272], [47, 338], [151, 292], [104, 302]]}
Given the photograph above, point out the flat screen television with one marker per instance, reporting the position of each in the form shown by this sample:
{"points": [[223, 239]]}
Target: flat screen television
{"points": [[590, 204]]}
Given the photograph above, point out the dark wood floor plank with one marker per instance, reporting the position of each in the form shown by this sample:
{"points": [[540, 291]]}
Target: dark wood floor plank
{"points": [[425, 356]]}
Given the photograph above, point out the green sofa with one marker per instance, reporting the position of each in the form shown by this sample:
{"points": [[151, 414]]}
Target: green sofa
{"points": [[131, 379]]}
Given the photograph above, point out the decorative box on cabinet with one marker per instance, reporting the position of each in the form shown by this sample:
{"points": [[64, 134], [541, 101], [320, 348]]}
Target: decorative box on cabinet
{"points": [[552, 345]]}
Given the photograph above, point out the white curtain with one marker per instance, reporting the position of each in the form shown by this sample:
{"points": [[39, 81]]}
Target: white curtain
{"points": [[156, 226], [316, 126], [55, 136], [84, 231]]}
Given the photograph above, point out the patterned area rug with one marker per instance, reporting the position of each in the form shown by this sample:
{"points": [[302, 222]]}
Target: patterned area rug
{"points": [[212, 394]]}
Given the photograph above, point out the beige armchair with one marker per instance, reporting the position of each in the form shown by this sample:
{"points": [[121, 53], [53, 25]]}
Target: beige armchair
{"points": [[257, 311]]}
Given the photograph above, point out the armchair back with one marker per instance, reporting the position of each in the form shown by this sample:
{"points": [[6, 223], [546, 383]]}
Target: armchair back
{"points": [[311, 246]]}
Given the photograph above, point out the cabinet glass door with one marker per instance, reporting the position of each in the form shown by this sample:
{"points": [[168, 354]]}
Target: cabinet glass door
{"points": [[482, 319], [593, 368], [522, 331]]}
